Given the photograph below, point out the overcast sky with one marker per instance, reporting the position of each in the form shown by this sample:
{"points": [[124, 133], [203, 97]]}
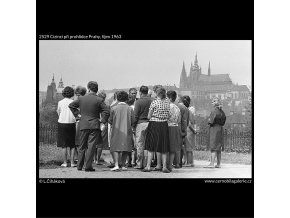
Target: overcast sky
{"points": [[123, 64]]}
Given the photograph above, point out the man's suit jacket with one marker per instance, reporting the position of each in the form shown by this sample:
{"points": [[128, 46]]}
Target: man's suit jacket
{"points": [[90, 107], [184, 118]]}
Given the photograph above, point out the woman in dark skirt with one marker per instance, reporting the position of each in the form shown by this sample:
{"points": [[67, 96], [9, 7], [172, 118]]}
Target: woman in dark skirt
{"points": [[66, 126], [79, 91], [174, 127], [157, 134], [216, 122]]}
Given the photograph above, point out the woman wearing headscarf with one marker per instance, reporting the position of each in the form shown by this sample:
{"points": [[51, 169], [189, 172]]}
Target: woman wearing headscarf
{"points": [[66, 126], [216, 122]]}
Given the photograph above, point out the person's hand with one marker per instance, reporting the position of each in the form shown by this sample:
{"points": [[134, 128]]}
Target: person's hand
{"points": [[102, 127]]}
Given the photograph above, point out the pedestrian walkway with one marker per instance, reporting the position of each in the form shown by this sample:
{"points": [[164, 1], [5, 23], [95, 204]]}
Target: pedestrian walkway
{"points": [[226, 171]]}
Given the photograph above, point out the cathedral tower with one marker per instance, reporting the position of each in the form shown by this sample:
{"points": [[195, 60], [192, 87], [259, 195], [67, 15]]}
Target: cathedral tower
{"points": [[183, 78], [208, 71]]}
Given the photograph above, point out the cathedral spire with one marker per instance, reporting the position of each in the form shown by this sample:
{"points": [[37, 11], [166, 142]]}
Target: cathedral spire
{"points": [[53, 78], [208, 71], [60, 84], [183, 77], [195, 61]]}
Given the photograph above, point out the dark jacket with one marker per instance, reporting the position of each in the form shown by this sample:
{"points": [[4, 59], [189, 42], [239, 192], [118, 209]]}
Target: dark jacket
{"points": [[141, 110], [184, 111], [216, 122], [90, 107]]}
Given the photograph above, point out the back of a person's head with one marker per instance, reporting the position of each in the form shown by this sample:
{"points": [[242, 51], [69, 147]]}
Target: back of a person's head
{"points": [[156, 87], [144, 90], [185, 100], [161, 93], [102, 95], [116, 94], [93, 86], [68, 92], [122, 96], [132, 89], [130, 100], [172, 95], [80, 90]]}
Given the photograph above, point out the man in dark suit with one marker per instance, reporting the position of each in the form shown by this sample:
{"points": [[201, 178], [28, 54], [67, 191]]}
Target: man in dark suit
{"points": [[88, 108]]}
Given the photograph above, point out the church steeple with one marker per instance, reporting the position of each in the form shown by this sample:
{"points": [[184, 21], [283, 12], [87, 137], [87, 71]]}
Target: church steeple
{"points": [[195, 60], [60, 84], [183, 77], [53, 78], [208, 71]]}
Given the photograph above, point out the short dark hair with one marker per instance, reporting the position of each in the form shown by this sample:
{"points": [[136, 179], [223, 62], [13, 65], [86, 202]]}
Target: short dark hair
{"points": [[116, 94], [144, 90], [185, 100], [93, 86], [102, 95], [80, 90], [130, 100], [172, 95], [68, 92], [156, 87], [122, 96], [161, 92], [131, 89]]}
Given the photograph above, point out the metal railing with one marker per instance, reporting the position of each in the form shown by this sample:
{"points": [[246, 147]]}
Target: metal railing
{"points": [[234, 141]]}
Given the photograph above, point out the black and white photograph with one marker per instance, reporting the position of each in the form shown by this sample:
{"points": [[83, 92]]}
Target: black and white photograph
{"points": [[145, 109], [156, 111]]}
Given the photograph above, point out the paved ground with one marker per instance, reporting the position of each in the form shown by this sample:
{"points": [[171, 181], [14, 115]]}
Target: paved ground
{"points": [[226, 171]]}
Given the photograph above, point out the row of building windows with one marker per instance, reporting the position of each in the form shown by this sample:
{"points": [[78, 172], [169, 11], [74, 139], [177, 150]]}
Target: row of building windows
{"points": [[222, 96]]}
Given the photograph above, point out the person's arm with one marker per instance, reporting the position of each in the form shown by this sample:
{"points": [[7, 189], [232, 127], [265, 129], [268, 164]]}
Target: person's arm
{"points": [[152, 105], [132, 117], [58, 109], [179, 117], [74, 107], [183, 123], [105, 112], [211, 118], [110, 120], [136, 114]]}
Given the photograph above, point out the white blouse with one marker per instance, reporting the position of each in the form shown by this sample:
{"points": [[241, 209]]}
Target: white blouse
{"points": [[64, 113]]}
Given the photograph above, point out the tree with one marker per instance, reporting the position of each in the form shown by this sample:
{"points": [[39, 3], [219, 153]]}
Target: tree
{"points": [[48, 115]]}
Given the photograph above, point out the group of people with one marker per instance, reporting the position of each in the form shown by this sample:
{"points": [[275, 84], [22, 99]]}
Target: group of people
{"points": [[153, 133]]}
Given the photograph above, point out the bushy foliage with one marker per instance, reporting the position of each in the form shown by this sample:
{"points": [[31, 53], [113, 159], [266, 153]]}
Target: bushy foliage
{"points": [[48, 115]]}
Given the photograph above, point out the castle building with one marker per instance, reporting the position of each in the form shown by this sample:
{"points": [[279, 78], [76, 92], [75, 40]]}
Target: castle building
{"points": [[53, 94], [206, 86]]}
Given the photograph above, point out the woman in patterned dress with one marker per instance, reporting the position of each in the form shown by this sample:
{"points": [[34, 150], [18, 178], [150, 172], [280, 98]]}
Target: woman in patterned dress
{"points": [[157, 134]]}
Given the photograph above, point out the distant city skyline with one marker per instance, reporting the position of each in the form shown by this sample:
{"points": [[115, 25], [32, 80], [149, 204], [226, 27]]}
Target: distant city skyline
{"points": [[125, 64]]}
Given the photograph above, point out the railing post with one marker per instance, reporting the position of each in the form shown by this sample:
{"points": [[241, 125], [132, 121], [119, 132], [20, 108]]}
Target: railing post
{"points": [[225, 139]]}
